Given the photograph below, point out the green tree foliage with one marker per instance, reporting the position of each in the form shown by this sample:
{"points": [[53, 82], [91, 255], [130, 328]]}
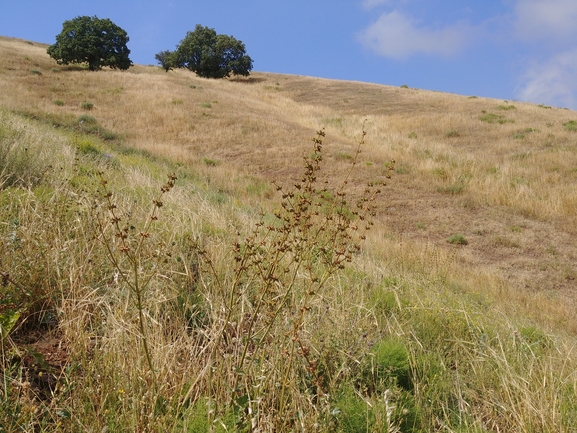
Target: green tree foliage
{"points": [[211, 55], [166, 59], [98, 42]]}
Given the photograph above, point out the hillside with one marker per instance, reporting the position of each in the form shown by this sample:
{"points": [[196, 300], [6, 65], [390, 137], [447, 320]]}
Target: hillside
{"points": [[500, 173], [507, 187]]}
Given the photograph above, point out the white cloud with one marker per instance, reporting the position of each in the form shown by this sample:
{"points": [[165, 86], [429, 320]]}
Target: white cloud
{"points": [[546, 19], [552, 82], [397, 36]]}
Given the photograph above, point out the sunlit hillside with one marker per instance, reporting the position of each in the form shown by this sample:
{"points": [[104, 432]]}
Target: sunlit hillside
{"points": [[473, 251]]}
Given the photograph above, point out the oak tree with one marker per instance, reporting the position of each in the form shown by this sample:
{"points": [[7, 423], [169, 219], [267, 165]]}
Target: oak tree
{"points": [[98, 42]]}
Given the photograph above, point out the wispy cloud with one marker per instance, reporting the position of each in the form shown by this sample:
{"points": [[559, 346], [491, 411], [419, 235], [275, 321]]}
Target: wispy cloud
{"points": [[547, 29], [370, 4], [552, 82], [553, 20], [398, 36]]}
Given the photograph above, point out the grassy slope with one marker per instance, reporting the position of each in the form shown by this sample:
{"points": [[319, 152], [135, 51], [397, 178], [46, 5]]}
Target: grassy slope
{"points": [[507, 187]]}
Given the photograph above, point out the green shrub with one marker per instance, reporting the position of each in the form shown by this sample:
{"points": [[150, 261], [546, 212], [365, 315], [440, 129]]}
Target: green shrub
{"points": [[86, 118], [35, 72], [87, 106], [58, 102], [87, 147], [392, 411], [206, 105], [387, 366], [495, 118], [457, 239], [404, 86], [570, 126]]}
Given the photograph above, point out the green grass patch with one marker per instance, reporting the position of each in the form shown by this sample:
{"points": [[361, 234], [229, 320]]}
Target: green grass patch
{"points": [[570, 126], [453, 189], [495, 118], [87, 105], [457, 239]]}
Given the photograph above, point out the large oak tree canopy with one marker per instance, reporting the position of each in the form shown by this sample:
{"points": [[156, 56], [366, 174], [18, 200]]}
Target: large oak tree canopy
{"points": [[211, 55], [98, 42]]}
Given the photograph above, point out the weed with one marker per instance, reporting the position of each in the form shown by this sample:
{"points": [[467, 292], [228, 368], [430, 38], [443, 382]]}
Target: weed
{"points": [[177, 101], [505, 242], [570, 125], [473, 97], [457, 239], [86, 118], [288, 261], [54, 70], [441, 173], [544, 106], [58, 102], [404, 86], [130, 255], [335, 121], [402, 168], [341, 156], [206, 105], [495, 118], [35, 72], [452, 134], [412, 135], [87, 105], [453, 189], [210, 162], [507, 107]]}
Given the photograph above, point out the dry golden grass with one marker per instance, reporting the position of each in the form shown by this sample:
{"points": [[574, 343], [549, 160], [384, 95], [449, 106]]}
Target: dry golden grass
{"points": [[507, 187], [459, 318]]}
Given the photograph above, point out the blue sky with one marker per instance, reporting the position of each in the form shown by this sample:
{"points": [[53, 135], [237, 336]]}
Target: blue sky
{"points": [[508, 49]]}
